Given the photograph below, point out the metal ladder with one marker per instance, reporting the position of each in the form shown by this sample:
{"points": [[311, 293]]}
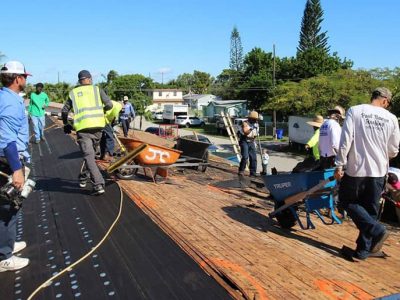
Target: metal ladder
{"points": [[232, 134]]}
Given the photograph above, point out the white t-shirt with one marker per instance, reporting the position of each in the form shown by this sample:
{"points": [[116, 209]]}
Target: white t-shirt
{"points": [[329, 138], [370, 137]]}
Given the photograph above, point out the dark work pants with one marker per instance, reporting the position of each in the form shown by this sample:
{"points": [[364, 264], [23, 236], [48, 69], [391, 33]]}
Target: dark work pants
{"points": [[327, 162], [88, 141], [248, 152], [125, 126], [107, 141], [359, 196], [8, 230]]}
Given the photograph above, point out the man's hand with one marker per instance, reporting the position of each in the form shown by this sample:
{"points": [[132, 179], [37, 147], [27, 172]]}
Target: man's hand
{"points": [[67, 129], [18, 179], [338, 173]]}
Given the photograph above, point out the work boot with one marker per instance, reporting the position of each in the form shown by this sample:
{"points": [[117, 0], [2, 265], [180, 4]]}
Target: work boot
{"points": [[98, 190], [18, 246], [37, 141], [13, 263], [377, 242]]}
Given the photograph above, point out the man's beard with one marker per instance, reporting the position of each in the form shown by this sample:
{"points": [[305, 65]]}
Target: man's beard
{"points": [[22, 87]]}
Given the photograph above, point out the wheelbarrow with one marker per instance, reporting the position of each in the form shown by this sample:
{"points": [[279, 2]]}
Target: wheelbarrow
{"points": [[152, 157], [315, 189]]}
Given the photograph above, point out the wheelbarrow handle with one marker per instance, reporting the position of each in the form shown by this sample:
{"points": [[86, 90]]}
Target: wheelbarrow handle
{"points": [[300, 196]]}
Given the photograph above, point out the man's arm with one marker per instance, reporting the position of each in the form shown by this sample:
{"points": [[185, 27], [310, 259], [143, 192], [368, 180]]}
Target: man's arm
{"points": [[106, 100], [394, 140], [65, 110], [46, 101], [346, 141]]}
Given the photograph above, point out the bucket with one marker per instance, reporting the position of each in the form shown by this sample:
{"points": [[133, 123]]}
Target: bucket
{"points": [[279, 134]]}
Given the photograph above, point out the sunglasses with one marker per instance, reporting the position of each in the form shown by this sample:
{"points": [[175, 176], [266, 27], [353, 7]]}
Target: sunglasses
{"points": [[23, 75]]}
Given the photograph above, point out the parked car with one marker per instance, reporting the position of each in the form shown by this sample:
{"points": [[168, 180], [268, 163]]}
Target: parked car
{"points": [[157, 115], [156, 130], [236, 123], [204, 139], [188, 121]]}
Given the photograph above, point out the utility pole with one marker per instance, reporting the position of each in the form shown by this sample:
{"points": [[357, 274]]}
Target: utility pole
{"points": [[273, 89], [58, 77]]}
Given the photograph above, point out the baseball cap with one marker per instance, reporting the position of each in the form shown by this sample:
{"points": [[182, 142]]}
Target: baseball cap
{"points": [[383, 92], [14, 67], [339, 110], [84, 74]]}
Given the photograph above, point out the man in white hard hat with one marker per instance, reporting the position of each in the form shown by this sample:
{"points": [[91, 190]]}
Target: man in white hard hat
{"points": [[14, 138], [247, 135], [127, 114]]}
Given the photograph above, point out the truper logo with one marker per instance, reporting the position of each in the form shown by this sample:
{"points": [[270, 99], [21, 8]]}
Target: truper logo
{"points": [[282, 185]]}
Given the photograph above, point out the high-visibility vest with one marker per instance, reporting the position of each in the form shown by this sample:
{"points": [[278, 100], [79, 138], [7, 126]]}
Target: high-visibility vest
{"points": [[88, 107], [113, 112]]}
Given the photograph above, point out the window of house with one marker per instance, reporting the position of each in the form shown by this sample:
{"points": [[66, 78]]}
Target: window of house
{"points": [[159, 94], [175, 93]]}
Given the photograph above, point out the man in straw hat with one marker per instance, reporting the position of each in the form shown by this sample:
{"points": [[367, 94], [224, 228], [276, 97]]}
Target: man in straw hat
{"points": [[370, 137], [329, 137], [247, 135], [314, 141]]}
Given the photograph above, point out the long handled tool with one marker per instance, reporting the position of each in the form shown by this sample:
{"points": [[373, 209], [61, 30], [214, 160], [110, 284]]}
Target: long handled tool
{"points": [[300, 196]]}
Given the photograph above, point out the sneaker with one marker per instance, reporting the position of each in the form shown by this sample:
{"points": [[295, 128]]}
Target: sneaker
{"points": [[43, 139], [82, 183], [377, 243], [18, 246], [13, 263], [98, 190], [37, 141]]}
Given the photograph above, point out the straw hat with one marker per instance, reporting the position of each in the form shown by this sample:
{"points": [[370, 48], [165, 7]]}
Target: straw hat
{"points": [[253, 115], [338, 110], [317, 121]]}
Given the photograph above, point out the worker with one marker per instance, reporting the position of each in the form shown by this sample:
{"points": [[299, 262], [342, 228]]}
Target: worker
{"points": [[370, 137], [329, 137], [313, 143], [14, 133], [127, 114], [89, 103], [36, 109], [247, 134], [107, 139]]}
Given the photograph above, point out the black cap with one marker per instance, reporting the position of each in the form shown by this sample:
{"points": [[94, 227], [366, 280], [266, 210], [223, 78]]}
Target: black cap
{"points": [[84, 74]]}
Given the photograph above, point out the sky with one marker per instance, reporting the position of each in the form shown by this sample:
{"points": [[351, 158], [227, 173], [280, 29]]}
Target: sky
{"points": [[162, 39]]}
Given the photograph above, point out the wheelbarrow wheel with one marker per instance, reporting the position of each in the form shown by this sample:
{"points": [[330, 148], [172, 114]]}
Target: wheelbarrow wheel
{"points": [[126, 173], [285, 218], [203, 168]]}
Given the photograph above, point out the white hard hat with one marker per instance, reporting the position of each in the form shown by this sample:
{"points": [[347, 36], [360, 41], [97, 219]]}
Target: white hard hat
{"points": [[14, 67]]}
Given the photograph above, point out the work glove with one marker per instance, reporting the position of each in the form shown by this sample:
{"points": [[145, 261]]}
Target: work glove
{"points": [[68, 129]]}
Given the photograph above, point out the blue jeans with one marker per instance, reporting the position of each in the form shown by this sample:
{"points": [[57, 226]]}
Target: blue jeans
{"points": [[8, 230], [359, 196], [248, 151], [38, 125]]}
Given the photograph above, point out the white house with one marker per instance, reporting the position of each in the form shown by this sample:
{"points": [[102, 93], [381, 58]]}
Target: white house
{"points": [[164, 96], [197, 101]]}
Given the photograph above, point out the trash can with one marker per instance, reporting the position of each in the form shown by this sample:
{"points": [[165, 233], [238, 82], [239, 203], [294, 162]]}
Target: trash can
{"points": [[279, 133]]}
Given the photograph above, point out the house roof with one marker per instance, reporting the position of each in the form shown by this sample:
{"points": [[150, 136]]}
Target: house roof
{"points": [[196, 96], [227, 102], [166, 90]]}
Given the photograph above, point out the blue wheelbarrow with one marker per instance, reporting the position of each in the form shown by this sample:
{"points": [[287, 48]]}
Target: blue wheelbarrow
{"points": [[289, 190]]}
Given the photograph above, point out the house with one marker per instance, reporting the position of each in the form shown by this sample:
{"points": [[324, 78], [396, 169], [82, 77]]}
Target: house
{"points": [[197, 101], [235, 108], [164, 96]]}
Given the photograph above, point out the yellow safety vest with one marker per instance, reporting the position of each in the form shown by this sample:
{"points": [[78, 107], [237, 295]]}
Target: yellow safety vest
{"points": [[88, 107], [113, 112]]}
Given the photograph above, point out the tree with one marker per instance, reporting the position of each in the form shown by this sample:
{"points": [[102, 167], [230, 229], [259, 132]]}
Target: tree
{"points": [[236, 59], [111, 76], [257, 78], [310, 35], [227, 84], [201, 82]]}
